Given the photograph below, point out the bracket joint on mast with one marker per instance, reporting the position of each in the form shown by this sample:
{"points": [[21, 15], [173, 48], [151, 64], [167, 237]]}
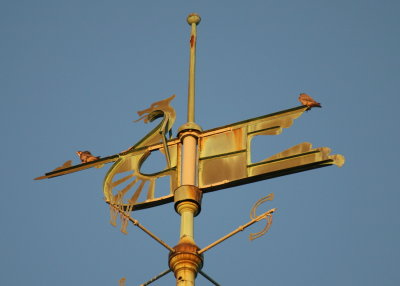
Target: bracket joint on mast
{"points": [[189, 193]]}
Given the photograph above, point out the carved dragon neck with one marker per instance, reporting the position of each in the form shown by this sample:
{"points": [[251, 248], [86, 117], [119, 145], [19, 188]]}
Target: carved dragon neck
{"points": [[159, 133]]}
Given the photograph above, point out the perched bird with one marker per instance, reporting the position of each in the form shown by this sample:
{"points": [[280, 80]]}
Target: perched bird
{"points": [[86, 156], [307, 100]]}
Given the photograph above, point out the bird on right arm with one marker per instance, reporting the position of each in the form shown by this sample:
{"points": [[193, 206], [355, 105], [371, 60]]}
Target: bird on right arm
{"points": [[308, 101]]}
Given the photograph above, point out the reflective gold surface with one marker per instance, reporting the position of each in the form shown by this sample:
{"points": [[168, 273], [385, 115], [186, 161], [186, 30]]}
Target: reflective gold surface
{"points": [[224, 158], [125, 183], [185, 261], [196, 162], [188, 193], [225, 153]]}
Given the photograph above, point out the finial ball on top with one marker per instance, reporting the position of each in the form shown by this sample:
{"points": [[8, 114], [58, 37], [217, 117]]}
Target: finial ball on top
{"points": [[193, 19]]}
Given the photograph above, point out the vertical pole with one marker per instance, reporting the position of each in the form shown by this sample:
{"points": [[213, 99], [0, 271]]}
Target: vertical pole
{"points": [[189, 142], [193, 20], [185, 261]]}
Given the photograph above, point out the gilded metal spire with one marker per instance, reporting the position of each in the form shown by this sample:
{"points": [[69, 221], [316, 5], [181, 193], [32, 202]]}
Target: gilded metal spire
{"points": [[197, 162], [185, 261], [193, 20]]}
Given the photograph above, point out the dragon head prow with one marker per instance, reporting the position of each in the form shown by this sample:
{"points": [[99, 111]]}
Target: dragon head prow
{"points": [[156, 110]]}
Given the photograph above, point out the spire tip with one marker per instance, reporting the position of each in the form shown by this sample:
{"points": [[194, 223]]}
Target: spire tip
{"points": [[193, 19]]}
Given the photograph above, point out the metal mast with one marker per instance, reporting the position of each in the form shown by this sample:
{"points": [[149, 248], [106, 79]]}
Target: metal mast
{"points": [[197, 162], [185, 261]]}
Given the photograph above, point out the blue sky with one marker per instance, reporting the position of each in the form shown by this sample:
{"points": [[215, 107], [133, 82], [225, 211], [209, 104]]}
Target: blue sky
{"points": [[74, 73]]}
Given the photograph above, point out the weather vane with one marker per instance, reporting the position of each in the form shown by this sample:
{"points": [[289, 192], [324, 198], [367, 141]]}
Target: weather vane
{"points": [[197, 162]]}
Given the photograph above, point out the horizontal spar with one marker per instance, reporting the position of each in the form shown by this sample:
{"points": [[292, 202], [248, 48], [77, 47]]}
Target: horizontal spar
{"points": [[228, 171], [68, 170]]}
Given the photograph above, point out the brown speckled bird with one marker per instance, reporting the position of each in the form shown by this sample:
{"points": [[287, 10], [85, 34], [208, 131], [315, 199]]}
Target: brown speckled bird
{"points": [[86, 156], [307, 100]]}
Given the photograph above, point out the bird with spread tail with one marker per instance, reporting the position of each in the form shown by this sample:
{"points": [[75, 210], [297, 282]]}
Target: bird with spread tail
{"points": [[308, 101], [86, 156]]}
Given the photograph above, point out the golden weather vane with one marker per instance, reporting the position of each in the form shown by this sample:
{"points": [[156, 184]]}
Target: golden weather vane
{"points": [[197, 162]]}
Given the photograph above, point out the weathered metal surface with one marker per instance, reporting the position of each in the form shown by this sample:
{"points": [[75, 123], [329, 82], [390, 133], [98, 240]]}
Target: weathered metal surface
{"points": [[188, 193], [125, 183], [196, 162], [185, 261], [224, 158], [225, 153], [219, 170]]}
